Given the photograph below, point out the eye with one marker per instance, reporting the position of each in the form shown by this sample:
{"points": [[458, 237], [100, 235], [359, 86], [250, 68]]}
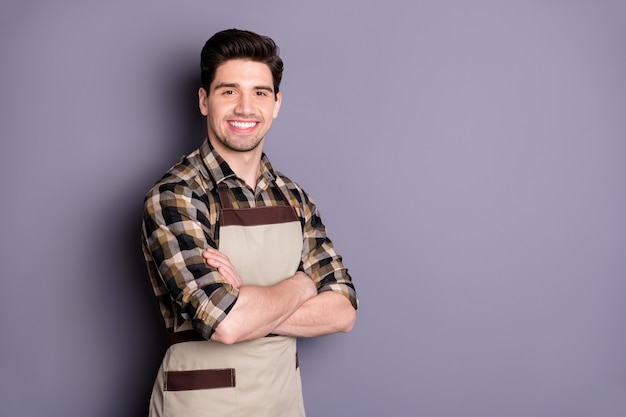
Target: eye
{"points": [[228, 92], [261, 93]]}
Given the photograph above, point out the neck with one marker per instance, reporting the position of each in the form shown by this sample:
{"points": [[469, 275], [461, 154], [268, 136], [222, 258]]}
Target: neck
{"points": [[245, 165]]}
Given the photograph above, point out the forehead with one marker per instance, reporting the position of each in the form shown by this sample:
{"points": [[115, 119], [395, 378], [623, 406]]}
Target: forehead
{"points": [[244, 72]]}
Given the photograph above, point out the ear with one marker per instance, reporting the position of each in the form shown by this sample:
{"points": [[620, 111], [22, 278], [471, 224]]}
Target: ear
{"points": [[203, 98], [277, 103]]}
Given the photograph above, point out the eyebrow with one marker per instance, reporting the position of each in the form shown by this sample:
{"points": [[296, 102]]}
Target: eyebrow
{"points": [[235, 85]]}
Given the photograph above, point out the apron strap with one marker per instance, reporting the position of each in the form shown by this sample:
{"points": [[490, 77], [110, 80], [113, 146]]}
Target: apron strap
{"points": [[185, 336], [222, 191], [284, 192]]}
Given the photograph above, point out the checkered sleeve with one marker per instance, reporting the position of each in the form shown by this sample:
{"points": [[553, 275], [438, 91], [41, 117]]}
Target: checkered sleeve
{"points": [[176, 229], [319, 259]]}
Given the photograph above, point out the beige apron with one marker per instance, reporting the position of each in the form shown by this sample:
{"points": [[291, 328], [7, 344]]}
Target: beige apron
{"points": [[259, 378]]}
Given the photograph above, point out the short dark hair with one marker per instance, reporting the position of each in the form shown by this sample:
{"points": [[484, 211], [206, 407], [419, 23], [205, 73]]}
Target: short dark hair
{"points": [[239, 44]]}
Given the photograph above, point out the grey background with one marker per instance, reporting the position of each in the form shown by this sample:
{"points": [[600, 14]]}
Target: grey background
{"points": [[468, 157]]}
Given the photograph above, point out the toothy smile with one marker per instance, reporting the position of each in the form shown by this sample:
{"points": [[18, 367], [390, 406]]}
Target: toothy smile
{"points": [[243, 125]]}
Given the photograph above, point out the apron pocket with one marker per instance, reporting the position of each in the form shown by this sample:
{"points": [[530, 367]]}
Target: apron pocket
{"points": [[200, 393], [199, 379]]}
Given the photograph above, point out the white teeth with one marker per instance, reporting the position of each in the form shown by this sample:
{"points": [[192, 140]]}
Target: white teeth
{"points": [[243, 125]]}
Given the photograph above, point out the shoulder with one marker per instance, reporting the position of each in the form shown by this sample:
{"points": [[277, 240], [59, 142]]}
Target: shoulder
{"points": [[188, 171], [296, 192], [184, 181]]}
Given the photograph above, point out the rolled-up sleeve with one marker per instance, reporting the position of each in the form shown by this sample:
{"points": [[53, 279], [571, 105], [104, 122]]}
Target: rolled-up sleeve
{"points": [[319, 259], [175, 232]]}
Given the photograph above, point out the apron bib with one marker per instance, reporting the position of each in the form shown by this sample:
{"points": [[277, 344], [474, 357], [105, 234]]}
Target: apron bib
{"points": [[259, 378]]}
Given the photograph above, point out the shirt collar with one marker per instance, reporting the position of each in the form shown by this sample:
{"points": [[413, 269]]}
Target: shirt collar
{"points": [[219, 170]]}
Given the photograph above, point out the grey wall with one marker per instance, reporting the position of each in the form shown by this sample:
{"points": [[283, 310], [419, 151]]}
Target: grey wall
{"points": [[469, 159]]}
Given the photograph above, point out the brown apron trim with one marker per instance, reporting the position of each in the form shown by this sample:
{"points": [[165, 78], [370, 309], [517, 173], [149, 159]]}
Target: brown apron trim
{"points": [[254, 216], [199, 379], [257, 216]]}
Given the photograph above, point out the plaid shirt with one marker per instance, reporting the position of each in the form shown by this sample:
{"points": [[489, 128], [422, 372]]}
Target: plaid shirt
{"points": [[181, 220]]}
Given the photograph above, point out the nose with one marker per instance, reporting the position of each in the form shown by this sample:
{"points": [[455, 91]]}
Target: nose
{"points": [[244, 105]]}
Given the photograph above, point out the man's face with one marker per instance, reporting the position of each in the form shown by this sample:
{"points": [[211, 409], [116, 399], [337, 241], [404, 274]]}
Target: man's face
{"points": [[240, 105]]}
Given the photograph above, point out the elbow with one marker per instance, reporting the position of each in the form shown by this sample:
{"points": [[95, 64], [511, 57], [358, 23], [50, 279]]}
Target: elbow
{"points": [[222, 339], [348, 320], [224, 335]]}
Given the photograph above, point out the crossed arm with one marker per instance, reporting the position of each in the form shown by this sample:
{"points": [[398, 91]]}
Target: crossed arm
{"points": [[218, 304], [290, 308]]}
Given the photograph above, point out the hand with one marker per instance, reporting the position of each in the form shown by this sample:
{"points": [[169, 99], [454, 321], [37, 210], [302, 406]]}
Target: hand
{"points": [[221, 262]]}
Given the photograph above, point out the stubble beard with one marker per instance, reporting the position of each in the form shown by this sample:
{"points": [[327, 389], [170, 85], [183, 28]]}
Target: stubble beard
{"points": [[238, 145], [235, 143]]}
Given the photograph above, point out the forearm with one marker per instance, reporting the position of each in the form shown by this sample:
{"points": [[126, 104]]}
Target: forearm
{"points": [[259, 309], [328, 312]]}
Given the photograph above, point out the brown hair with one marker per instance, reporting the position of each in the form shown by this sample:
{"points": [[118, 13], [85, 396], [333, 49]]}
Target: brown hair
{"points": [[239, 44]]}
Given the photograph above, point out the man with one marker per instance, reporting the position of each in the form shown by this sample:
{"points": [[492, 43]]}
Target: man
{"points": [[237, 254]]}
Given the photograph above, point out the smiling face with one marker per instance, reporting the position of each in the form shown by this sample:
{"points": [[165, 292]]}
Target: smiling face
{"points": [[240, 106]]}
